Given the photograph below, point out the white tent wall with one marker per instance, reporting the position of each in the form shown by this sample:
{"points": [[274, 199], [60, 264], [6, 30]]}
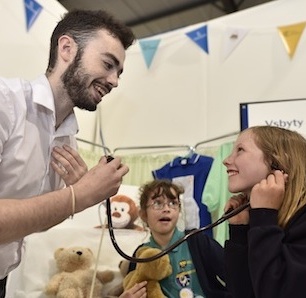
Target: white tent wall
{"points": [[25, 53], [187, 95], [161, 105], [259, 69]]}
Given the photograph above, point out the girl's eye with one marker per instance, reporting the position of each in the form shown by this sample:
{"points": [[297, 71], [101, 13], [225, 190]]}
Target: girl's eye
{"points": [[157, 203], [239, 149], [174, 204]]}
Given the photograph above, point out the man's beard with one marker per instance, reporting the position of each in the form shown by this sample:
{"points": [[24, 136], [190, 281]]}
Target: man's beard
{"points": [[75, 82]]}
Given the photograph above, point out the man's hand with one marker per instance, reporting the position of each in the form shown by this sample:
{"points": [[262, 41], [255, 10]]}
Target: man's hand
{"points": [[68, 164]]}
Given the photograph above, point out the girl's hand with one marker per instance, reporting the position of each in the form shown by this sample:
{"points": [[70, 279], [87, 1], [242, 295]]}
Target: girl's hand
{"points": [[242, 218], [269, 192], [137, 291]]}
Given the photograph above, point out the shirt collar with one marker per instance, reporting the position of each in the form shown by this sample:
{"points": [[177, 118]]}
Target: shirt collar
{"points": [[42, 92], [176, 236], [43, 95], [181, 161], [68, 127]]}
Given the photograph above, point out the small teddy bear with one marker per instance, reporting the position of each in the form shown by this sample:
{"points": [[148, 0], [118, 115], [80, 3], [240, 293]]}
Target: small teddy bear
{"points": [[117, 289], [152, 272], [74, 277]]}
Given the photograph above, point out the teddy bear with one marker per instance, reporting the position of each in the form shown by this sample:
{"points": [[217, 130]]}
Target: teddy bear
{"points": [[74, 276], [152, 272], [117, 289]]}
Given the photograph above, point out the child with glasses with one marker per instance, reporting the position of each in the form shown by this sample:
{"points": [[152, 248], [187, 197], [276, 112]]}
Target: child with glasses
{"points": [[197, 265]]}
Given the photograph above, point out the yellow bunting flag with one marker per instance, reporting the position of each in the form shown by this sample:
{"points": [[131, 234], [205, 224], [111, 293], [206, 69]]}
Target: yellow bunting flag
{"points": [[290, 36]]}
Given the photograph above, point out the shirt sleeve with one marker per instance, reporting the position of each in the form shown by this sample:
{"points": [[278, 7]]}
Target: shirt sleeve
{"points": [[277, 259], [264, 260], [237, 275], [7, 118]]}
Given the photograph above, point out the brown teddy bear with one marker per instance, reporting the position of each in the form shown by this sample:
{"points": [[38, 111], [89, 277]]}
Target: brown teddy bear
{"points": [[152, 272], [74, 277], [117, 290]]}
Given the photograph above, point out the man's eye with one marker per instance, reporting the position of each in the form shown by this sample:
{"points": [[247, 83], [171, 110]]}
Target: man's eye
{"points": [[108, 66]]}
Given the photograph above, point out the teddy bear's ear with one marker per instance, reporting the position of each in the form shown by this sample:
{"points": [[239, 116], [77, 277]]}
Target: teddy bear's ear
{"points": [[142, 249], [58, 251], [90, 251], [124, 267]]}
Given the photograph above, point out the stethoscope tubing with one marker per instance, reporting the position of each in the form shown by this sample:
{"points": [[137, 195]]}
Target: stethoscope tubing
{"points": [[230, 213]]}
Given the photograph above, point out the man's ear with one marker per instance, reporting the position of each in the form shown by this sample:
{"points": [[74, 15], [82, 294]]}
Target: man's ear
{"points": [[67, 48]]}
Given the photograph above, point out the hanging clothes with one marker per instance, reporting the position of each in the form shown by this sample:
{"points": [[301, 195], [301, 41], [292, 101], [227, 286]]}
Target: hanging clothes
{"points": [[215, 192], [191, 172]]}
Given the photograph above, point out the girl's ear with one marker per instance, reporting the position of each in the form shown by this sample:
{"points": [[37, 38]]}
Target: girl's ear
{"points": [[143, 215]]}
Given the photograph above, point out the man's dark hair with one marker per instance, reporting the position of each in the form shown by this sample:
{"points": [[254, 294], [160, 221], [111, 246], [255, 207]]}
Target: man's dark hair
{"points": [[82, 25]]}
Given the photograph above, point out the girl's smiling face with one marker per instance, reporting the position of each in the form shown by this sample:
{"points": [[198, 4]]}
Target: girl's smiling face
{"points": [[246, 165]]}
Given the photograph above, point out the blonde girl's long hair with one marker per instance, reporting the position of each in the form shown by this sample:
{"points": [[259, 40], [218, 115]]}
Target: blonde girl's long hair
{"points": [[285, 150]]}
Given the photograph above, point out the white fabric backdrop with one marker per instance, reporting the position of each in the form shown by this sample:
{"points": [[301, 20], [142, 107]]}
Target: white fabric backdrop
{"points": [[187, 95]]}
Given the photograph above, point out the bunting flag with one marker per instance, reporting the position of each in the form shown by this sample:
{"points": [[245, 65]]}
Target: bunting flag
{"points": [[291, 35], [199, 36], [32, 10], [233, 38], [149, 48]]}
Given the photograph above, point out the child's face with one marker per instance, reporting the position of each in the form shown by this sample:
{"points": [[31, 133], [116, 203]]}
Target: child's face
{"points": [[162, 214], [246, 165]]}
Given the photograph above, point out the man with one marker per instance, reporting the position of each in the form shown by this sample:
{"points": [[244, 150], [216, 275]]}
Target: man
{"points": [[37, 123]]}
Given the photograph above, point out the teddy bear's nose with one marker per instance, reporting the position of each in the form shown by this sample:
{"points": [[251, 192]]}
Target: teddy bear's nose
{"points": [[79, 252]]}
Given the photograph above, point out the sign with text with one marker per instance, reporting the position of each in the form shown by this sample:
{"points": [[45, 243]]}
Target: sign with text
{"points": [[289, 114]]}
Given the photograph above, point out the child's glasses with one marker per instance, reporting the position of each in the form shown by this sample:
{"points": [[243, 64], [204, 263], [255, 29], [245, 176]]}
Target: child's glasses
{"points": [[160, 204]]}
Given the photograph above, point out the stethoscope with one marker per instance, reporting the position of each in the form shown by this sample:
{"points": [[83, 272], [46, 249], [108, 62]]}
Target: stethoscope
{"points": [[225, 216], [228, 214]]}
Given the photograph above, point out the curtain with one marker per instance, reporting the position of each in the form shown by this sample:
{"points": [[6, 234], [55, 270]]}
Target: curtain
{"points": [[140, 165]]}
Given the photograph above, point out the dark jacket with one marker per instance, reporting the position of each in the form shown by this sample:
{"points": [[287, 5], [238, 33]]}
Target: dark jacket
{"points": [[208, 258], [265, 261]]}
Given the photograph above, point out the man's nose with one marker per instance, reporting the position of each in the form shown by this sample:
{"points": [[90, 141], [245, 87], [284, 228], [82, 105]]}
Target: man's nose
{"points": [[112, 79]]}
